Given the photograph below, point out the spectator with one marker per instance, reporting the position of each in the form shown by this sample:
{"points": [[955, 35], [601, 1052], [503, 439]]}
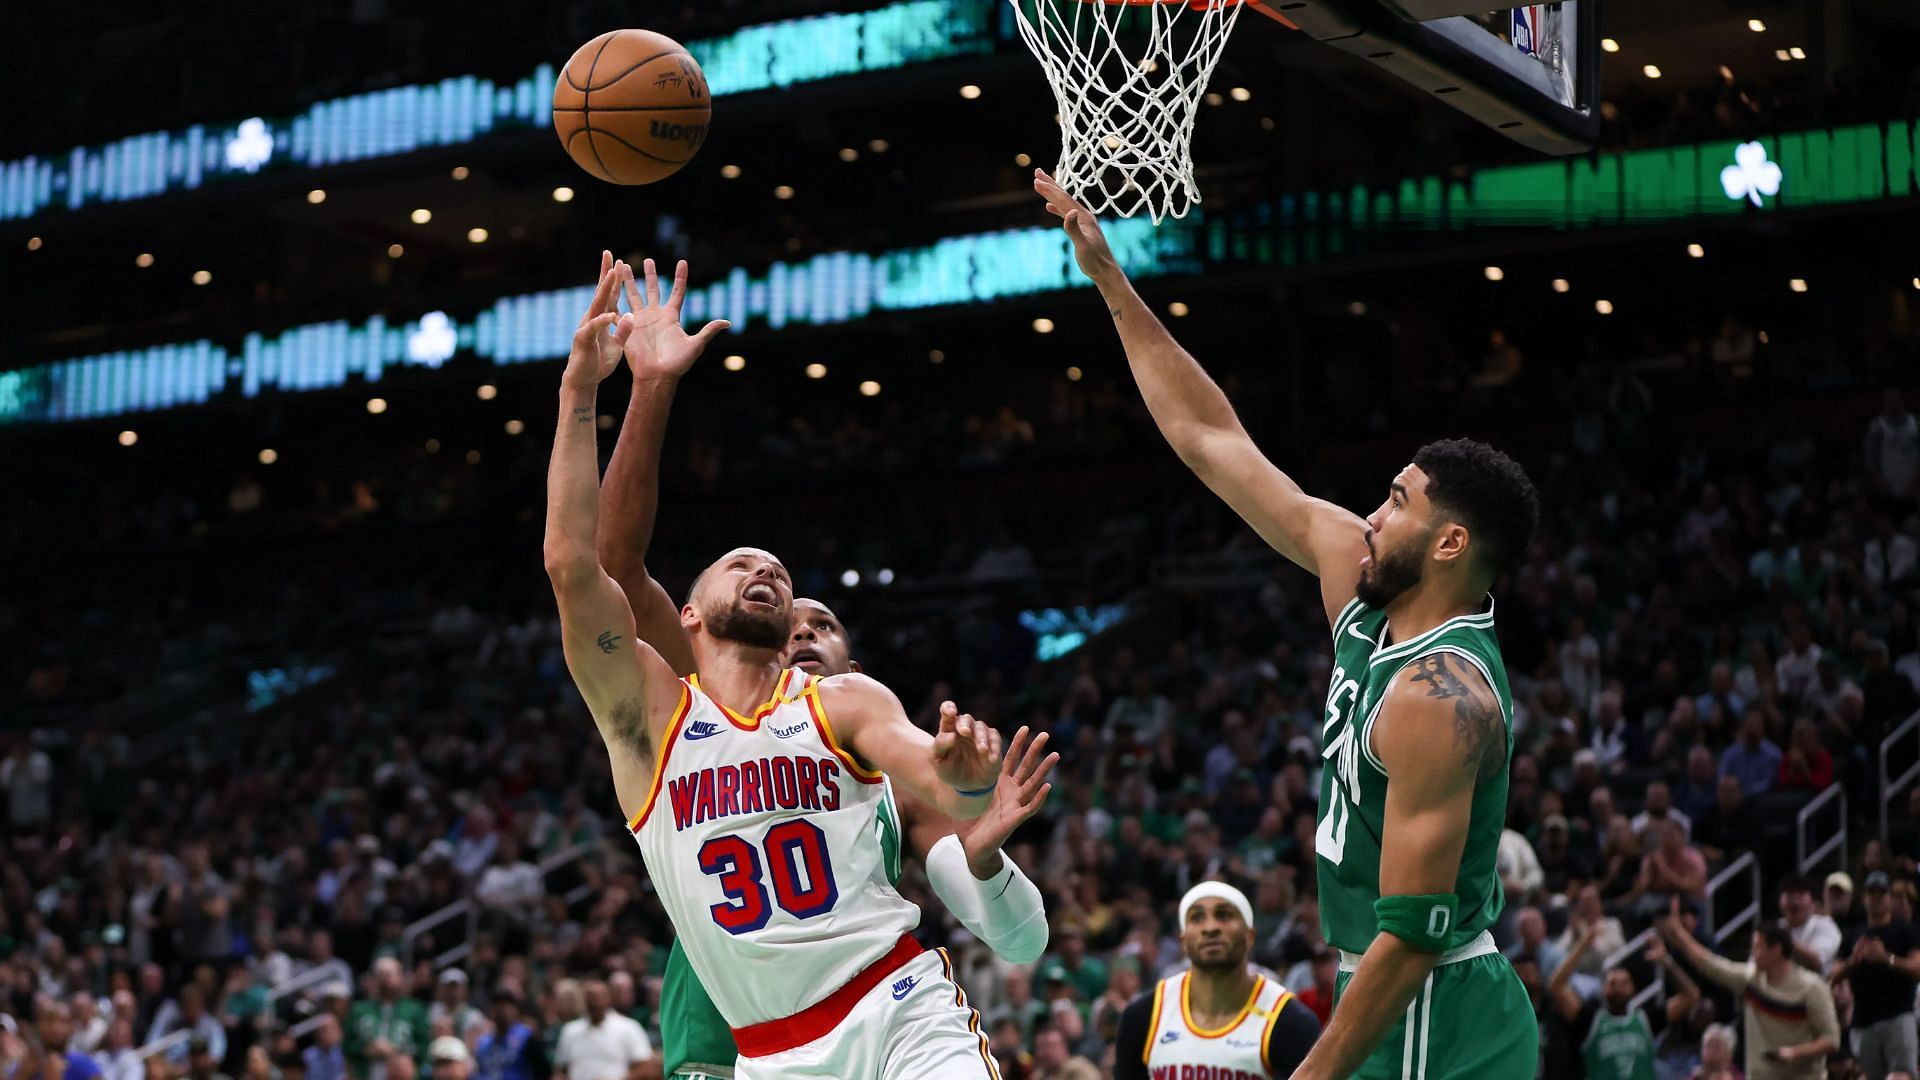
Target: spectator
{"points": [[1799, 662], [450, 1005], [1881, 964], [1754, 760], [1892, 448], [1087, 973], [1815, 936], [259, 1064], [388, 1023], [1608, 938], [1716, 1055], [55, 1023], [188, 1012], [1530, 931], [505, 1048], [1807, 766], [1561, 864], [1729, 827], [27, 776], [1658, 809], [1790, 1021], [1839, 906], [1699, 790], [89, 1027], [1052, 1060], [511, 886], [403, 1067], [1673, 870], [201, 1062], [1617, 1039], [1518, 867], [206, 925], [116, 1056], [1319, 996], [448, 1058], [326, 1059], [602, 1045]]}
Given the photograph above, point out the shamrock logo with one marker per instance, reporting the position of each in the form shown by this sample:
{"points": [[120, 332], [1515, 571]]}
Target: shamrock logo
{"points": [[250, 146], [433, 342], [1751, 175]]}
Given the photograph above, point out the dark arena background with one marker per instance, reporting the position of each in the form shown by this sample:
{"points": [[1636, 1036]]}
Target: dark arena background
{"points": [[295, 780]]}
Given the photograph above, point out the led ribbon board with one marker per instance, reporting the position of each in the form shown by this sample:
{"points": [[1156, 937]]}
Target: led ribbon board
{"points": [[461, 110], [1805, 169]]}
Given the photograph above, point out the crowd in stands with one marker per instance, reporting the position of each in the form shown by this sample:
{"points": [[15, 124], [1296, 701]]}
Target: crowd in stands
{"points": [[1715, 626]]}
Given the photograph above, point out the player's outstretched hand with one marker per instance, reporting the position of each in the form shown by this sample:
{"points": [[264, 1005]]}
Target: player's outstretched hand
{"points": [[1021, 792], [966, 752], [1090, 248], [659, 347], [596, 352]]}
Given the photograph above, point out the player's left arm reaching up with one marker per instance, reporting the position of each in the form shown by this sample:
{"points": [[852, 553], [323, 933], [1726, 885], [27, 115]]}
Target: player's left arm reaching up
{"points": [[1441, 732], [984, 889]]}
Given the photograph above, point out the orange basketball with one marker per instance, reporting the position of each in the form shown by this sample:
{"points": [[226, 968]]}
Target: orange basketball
{"points": [[631, 106]]}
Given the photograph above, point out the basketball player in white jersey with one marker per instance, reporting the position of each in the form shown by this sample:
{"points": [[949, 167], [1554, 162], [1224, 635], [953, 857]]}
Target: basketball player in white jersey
{"points": [[1218, 1020], [753, 789]]}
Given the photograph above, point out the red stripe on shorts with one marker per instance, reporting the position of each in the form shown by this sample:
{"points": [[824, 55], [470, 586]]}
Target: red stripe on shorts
{"points": [[810, 1023]]}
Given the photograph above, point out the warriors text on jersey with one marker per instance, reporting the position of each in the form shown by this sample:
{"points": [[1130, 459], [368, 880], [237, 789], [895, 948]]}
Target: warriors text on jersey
{"points": [[695, 1038], [759, 834], [1353, 786], [1178, 1050]]}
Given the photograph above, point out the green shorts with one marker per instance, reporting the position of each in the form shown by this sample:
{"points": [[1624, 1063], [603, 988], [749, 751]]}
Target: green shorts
{"points": [[1471, 1020]]}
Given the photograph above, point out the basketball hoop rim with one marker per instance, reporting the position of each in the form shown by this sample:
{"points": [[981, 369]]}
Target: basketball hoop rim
{"points": [[1204, 5]]}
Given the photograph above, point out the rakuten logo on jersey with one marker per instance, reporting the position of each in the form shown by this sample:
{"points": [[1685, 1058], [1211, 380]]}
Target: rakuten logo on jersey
{"points": [[754, 787]]}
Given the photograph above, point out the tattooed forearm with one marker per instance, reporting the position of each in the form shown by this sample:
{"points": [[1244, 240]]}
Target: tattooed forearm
{"points": [[608, 641], [1479, 725], [1115, 312], [582, 415]]}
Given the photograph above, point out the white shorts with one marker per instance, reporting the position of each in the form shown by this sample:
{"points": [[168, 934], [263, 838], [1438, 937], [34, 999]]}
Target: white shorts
{"points": [[915, 1025]]}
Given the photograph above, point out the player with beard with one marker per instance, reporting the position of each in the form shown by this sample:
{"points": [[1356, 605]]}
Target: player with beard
{"points": [[1418, 727], [753, 789], [1217, 1019]]}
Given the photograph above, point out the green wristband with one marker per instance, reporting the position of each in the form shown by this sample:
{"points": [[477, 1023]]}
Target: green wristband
{"points": [[1421, 921]]}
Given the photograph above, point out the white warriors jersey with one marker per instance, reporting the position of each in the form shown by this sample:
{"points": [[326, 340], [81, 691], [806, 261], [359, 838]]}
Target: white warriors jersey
{"points": [[758, 833], [1178, 1049]]}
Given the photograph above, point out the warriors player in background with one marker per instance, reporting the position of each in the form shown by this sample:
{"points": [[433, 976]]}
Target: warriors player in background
{"points": [[1419, 722], [1218, 1018], [990, 896], [753, 790]]}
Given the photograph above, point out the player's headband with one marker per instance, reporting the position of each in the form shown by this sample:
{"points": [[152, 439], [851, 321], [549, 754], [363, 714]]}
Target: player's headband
{"points": [[1216, 890]]}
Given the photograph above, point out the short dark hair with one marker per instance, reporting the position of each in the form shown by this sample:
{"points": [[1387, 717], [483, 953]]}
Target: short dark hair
{"points": [[1486, 491], [1796, 884], [1777, 936]]}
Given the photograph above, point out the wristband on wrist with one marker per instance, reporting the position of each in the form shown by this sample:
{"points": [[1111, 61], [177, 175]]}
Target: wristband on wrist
{"points": [[977, 793]]}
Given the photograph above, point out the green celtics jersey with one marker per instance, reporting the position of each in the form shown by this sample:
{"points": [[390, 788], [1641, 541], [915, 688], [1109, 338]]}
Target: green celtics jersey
{"points": [[1618, 1047], [694, 1037], [1353, 784]]}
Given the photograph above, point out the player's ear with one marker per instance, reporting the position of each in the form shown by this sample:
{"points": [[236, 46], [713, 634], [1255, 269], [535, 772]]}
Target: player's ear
{"points": [[689, 619], [854, 666], [1450, 542]]}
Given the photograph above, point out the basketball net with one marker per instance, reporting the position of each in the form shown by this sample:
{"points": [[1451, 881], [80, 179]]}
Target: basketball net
{"points": [[1126, 118]]}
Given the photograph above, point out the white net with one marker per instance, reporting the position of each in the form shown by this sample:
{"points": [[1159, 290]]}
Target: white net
{"points": [[1128, 79]]}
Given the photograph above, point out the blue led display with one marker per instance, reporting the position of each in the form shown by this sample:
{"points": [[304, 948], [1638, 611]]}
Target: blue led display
{"points": [[459, 110], [832, 288]]}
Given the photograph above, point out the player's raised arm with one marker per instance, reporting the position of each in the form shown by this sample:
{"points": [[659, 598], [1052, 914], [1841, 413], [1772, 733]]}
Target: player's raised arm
{"points": [[629, 689], [1199, 422], [955, 772], [658, 352], [1441, 731]]}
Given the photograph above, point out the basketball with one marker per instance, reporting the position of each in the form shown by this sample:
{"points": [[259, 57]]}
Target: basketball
{"points": [[631, 106]]}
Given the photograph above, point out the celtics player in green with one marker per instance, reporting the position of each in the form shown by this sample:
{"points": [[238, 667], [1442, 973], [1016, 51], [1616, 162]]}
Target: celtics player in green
{"points": [[982, 888], [1418, 725], [1616, 1039]]}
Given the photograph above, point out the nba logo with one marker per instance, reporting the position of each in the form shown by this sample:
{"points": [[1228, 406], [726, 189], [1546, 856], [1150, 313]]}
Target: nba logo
{"points": [[1526, 25]]}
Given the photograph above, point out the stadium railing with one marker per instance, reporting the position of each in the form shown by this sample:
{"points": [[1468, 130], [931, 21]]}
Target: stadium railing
{"points": [[445, 915], [1745, 866], [1807, 860], [1656, 988], [1891, 786], [163, 1044]]}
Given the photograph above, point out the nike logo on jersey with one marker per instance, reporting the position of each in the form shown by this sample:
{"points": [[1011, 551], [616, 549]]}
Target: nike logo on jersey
{"points": [[703, 729], [1359, 633], [1169, 1037], [790, 732], [904, 987]]}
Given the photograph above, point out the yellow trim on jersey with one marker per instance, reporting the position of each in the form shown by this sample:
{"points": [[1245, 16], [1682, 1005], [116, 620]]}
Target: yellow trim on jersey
{"points": [[751, 723], [680, 712], [1186, 1017], [819, 713], [973, 1015], [1153, 1022], [1266, 1033]]}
